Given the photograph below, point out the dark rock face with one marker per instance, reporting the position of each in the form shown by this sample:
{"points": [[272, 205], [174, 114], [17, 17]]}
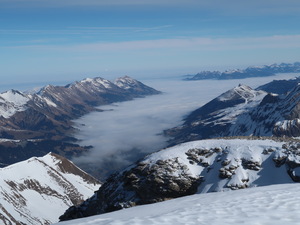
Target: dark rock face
{"points": [[16, 151], [141, 184]]}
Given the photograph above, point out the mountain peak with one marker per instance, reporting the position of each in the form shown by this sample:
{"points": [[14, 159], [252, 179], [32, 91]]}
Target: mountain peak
{"points": [[12, 101], [240, 92], [125, 82], [66, 166]]}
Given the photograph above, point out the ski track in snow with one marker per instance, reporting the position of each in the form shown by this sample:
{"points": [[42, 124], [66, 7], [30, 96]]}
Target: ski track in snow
{"points": [[270, 205]]}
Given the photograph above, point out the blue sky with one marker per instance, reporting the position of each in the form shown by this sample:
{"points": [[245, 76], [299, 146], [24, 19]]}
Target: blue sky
{"points": [[64, 40]]}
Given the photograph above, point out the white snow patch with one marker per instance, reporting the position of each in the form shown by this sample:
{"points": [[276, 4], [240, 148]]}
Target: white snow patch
{"points": [[235, 152], [41, 189], [11, 102], [49, 102], [270, 205]]}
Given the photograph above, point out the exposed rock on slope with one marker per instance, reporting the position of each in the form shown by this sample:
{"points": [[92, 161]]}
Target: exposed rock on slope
{"points": [[200, 166], [38, 190]]}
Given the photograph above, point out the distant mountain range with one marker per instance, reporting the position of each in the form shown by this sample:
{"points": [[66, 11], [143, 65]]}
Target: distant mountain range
{"points": [[34, 124], [256, 71], [39, 190]]}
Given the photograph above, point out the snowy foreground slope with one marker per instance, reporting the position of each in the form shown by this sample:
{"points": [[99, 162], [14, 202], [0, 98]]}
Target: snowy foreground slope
{"points": [[39, 190], [273, 205], [214, 165]]}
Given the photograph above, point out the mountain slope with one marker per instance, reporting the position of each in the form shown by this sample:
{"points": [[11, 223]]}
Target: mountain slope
{"points": [[271, 205], [215, 118], [195, 167], [46, 116], [48, 112], [38, 190], [242, 111], [280, 86]]}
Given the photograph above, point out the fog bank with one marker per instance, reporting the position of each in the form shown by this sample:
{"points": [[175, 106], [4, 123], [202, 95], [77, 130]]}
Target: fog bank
{"points": [[126, 131]]}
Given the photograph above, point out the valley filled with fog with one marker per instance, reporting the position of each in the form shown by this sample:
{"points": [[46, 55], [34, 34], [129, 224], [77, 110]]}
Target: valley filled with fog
{"points": [[124, 132]]}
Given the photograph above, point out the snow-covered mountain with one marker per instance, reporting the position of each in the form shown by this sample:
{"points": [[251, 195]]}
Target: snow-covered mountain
{"points": [[39, 190], [215, 118], [253, 71], [196, 167], [242, 111], [47, 114], [271, 205], [49, 111]]}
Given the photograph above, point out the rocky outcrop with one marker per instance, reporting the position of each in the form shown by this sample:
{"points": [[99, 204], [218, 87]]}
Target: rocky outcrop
{"points": [[195, 167], [142, 184]]}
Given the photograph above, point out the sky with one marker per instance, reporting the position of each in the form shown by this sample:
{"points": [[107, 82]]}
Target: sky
{"points": [[57, 41]]}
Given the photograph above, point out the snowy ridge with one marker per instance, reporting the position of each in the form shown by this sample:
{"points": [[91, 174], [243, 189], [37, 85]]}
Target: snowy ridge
{"points": [[271, 205], [11, 102], [49, 112], [97, 83], [125, 82], [215, 165], [251, 99], [38, 190], [218, 117], [86, 90], [243, 111], [225, 164], [243, 91]]}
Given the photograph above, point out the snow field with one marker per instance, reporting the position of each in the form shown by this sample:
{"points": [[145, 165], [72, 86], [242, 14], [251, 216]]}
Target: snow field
{"points": [[269, 205]]}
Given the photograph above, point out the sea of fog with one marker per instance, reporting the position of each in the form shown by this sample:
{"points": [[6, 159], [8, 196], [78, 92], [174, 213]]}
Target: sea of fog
{"points": [[126, 131]]}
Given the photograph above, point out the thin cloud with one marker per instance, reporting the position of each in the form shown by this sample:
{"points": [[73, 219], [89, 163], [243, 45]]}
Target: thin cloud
{"points": [[88, 3], [86, 29], [229, 7], [198, 43]]}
